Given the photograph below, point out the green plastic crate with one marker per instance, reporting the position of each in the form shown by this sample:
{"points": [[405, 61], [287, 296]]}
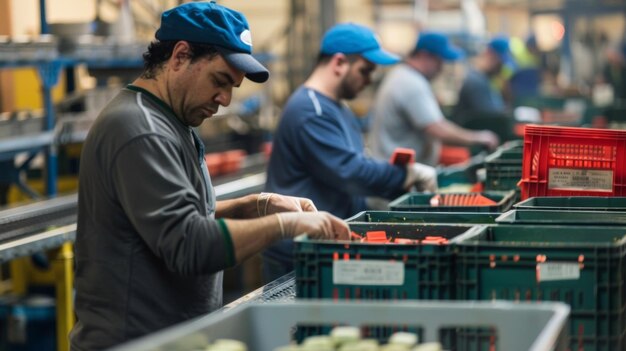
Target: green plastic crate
{"points": [[427, 271], [367, 271], [574, 203], [503, 168], [583, 266], [450, 175], [563, 217], [424, 217], [421, 202]]}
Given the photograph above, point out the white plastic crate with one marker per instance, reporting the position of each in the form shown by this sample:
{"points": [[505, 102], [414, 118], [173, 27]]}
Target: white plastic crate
{"points": [[263, 327]]}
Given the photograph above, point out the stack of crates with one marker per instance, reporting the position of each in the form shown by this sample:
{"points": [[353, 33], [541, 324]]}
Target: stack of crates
{"points": [[578, 249], [561, 161], [418, 271], [373, 271], [583, 266]]}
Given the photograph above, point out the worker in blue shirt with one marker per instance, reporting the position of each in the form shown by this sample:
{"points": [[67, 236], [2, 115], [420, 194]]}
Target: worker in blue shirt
{"points": [[478, 94], [318, 150]]}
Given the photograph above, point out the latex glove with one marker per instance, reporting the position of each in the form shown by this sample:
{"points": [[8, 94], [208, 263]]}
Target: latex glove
{"points": [[318, 225], [423, 177], [269, 203]]}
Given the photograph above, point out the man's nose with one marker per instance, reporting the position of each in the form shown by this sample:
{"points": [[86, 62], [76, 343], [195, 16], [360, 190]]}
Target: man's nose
{"points": [[223, 98]]}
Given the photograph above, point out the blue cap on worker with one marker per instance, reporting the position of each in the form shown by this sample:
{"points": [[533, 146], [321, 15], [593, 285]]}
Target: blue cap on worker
{"points": [[439, 45], [351, 38], [209, 23], [500, 46]]}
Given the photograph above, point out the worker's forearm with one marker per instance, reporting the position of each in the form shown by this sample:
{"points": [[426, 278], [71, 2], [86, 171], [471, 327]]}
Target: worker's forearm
{"points": [[242, 207], [450, 133], [251, 236]]}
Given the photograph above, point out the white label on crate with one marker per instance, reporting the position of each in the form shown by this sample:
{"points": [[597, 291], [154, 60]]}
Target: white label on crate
{"points": [[557, 271], [580, 179], [368, 272]]}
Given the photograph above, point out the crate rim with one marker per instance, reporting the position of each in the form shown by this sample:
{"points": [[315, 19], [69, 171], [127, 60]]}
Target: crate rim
{"points": [[547, 338], [520, 205], [475, 231], [304, 238], [413, 213]]}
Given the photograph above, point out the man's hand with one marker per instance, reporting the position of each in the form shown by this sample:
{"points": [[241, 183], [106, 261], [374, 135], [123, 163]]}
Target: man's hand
{"points": [[319, 225], [423, 177], [488, 139], [269, 203]]}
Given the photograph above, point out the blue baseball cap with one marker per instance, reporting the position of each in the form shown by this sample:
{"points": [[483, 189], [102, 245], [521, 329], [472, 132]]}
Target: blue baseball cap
{"points": [[351, 38], [438, 45], [209, 23], [500, 46]]}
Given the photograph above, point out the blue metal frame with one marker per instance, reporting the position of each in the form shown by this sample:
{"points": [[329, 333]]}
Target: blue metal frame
{"points": [[49, 73]]}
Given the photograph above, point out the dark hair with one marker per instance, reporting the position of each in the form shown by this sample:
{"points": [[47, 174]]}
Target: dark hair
{"points": [[161, 51], [323, 59]]}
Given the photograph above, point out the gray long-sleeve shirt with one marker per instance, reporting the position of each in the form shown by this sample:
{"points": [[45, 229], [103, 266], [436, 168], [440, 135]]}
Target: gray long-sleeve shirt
{"points": [[148, 250]]}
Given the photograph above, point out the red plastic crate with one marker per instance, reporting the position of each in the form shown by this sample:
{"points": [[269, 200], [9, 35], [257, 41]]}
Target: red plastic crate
{"points": [[565, 161]]}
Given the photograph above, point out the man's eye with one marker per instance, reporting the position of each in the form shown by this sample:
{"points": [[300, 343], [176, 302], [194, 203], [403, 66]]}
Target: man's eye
{"points": [[219, 83]]}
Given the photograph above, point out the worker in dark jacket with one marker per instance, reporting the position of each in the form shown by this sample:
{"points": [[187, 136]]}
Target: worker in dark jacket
{"points": [[318, 149], [478, 94], [152, 240]]}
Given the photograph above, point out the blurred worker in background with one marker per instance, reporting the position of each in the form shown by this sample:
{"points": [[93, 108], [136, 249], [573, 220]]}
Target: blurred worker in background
{"points": [[318, 149], [405, 112], [524, 81], [614, 73], [149, 249], [478, 95]]}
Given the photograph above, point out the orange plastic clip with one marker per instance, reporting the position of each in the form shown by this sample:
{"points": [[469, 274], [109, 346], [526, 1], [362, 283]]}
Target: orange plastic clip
{"points": [[402, 156], [439, 240], [376, 237], [404, 241]]}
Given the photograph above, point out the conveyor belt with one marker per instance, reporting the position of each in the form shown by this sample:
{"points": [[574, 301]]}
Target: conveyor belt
{"points": [[27, 224], [37, 217], [281, 289]]}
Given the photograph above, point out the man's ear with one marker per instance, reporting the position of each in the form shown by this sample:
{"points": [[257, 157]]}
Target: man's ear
{"points": [[180, 54], [340, 64]]}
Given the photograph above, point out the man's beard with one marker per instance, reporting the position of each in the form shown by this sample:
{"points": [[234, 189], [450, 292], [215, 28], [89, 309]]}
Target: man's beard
{"points": [[347, 91]]}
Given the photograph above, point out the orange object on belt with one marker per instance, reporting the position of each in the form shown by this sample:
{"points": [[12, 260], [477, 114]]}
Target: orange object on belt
{"points": [[402, 156]]}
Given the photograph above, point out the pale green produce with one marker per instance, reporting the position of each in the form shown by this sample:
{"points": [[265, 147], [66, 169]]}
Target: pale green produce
{"points": [[362, 345], [345, 334], [228, 345], [319, 342], [403, 338], [394, 347], [429, 346]]}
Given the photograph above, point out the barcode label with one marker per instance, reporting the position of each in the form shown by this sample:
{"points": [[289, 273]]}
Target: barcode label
{"points": [[580, 179], [557, 271], [368, 272]]}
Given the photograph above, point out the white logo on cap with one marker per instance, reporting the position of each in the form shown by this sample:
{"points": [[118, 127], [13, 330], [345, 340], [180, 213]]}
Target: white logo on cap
{"points": [[246, 37]]}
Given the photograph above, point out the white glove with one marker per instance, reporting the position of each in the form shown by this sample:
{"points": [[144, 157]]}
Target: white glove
{"points": [[318, 225], [423, 177]]}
